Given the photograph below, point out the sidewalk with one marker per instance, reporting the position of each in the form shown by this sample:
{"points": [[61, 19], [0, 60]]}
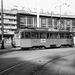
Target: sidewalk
{"points": [[9, 49]]}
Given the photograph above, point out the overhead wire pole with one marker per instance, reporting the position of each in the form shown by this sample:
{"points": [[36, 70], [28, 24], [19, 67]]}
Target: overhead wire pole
{"points": [[60, 17], [2, 28], [60, 12], [52, 21], [38, 13]]}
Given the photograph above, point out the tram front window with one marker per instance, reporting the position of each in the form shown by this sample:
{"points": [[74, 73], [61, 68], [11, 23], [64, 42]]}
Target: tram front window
{"points": [[22, 35]]}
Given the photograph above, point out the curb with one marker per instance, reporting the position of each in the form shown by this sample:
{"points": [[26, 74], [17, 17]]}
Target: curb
{"points": [[9, 49]]}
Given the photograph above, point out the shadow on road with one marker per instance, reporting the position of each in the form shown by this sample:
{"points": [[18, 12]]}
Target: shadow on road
{"points": [[59, 66]]}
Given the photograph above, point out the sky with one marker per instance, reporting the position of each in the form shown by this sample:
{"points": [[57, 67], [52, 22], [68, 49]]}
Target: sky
{"points": [[45, 5]]}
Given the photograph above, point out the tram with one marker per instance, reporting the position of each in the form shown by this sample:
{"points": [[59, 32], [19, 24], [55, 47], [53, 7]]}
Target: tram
{"points": [[33, 38]]}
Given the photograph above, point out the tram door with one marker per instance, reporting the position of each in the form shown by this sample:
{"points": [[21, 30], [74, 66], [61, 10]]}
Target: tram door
{"points": [[16, 40], [59, 40]]}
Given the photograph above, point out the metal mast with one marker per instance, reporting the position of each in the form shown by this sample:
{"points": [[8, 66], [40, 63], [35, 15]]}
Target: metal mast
{"points": [[2, 28], [38, 13]]}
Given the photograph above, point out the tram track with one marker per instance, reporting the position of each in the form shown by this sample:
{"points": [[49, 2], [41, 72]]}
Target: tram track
{"points": [[54, 57]]}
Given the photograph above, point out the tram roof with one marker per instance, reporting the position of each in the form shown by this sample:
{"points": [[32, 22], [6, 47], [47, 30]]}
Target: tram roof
{"points": [[43, 30]]}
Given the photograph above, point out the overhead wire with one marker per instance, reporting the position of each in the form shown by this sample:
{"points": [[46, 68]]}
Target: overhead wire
{"points": [[69, 5]]}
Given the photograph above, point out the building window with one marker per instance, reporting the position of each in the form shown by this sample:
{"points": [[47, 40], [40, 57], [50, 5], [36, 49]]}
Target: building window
{"points": [[55, 23], [73, 23], [15, 20], [68, 24], [10, 14], [30, 21], [11, 20], [43, 21], [23, 20], [49, 22], [35, 22]]}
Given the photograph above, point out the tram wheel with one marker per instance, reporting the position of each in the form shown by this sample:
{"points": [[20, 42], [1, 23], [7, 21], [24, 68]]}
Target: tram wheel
{"points": [[43, 47], [70, 45], [22, 48], [30, 48], [40, 47], [33, 48]]}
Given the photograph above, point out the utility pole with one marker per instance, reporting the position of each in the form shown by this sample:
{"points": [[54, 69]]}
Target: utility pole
{"points": [[2, 28], [38, 13], [52, 26]]}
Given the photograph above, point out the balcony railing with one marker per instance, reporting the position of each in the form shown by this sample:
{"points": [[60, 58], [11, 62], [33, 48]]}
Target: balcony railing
{"points": [[10, 27], [9, 22], [9, 32], [10, 17]]}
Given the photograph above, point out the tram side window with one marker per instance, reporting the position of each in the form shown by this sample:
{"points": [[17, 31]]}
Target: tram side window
{"points": [[54, 36], [27, 35], [58, 36], [66, 36], [51, 36], [43, 35], [35, 35], [48, 35], [71, 35], [61, 35]]}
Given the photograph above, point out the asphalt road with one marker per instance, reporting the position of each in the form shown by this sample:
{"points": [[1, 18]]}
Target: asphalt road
{"points": [[60, 61]]}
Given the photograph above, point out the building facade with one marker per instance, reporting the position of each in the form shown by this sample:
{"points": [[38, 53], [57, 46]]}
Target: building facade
{"points": [[54, 22], [9, 23], [17, 19]]}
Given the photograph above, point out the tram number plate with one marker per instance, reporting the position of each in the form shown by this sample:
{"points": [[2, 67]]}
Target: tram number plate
{"points": [[43, 40]]}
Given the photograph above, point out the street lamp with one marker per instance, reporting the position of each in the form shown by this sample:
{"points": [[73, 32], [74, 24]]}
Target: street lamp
{"points": [[2, 28]]}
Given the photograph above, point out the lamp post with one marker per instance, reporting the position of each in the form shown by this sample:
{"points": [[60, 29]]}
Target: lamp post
{"points": [[2, 28]]}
